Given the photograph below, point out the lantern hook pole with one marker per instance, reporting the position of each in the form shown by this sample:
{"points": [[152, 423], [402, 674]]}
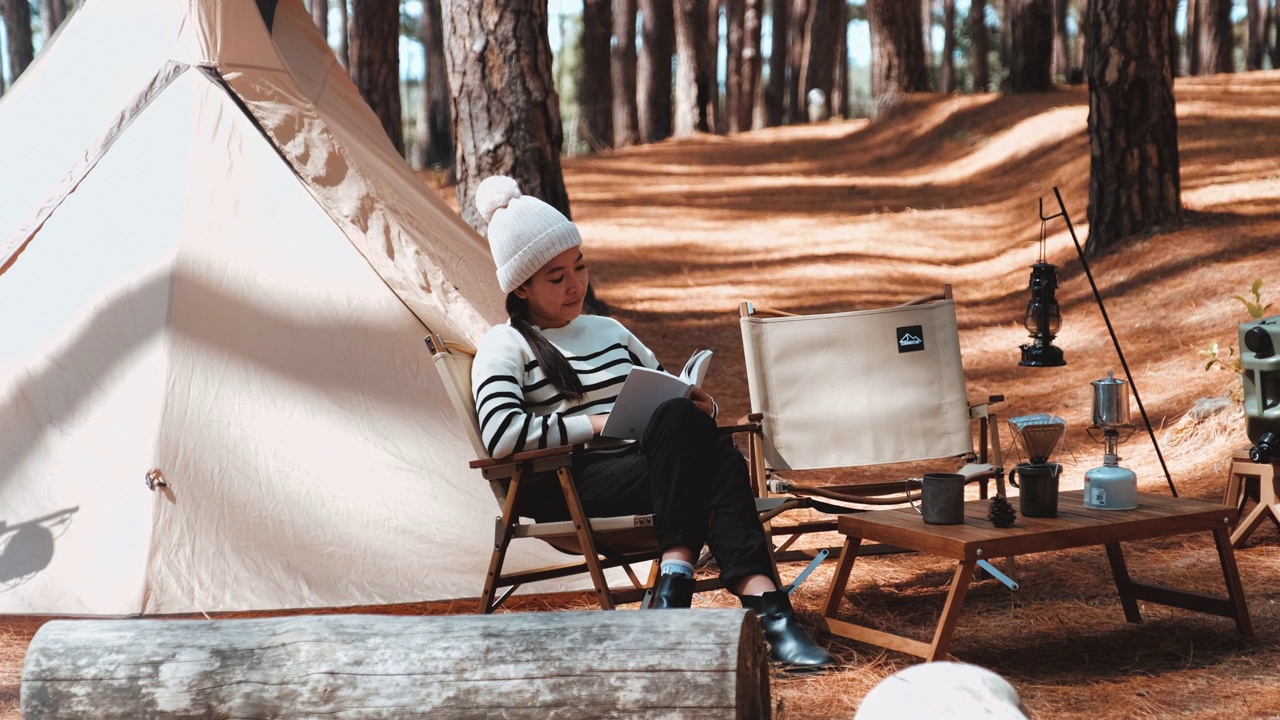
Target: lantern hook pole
{"points": [[1110, 329]]}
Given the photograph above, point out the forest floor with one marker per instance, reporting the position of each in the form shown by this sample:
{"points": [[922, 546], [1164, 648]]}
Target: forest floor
{"points": [[847, 215]]}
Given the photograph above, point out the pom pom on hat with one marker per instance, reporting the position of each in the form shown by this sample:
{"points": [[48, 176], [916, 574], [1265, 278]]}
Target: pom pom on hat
{"points": [[525, 233], [494, 194]]}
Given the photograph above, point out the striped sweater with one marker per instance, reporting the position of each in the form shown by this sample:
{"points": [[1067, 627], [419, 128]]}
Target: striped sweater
{"points": [[518, 407]]}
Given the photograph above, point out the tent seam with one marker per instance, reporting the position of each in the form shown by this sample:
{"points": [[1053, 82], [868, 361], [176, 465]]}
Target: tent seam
{"points": [[69, 182]]}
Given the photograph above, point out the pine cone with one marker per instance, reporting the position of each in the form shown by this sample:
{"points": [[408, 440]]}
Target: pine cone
{"points": [[1001, 513]]}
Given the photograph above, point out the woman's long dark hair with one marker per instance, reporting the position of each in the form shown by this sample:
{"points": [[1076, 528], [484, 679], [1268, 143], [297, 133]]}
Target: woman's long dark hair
{"points": [[553, 362]]}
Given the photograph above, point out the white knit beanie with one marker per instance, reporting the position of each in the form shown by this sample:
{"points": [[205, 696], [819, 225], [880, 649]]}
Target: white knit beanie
{"points": [[524, 232]]}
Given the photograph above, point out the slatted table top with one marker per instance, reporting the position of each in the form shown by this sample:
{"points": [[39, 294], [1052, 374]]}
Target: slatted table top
{"points": [[1075, 526]]}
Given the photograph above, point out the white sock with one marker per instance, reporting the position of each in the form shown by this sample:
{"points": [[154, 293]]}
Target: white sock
{"points": [[676, 567]]}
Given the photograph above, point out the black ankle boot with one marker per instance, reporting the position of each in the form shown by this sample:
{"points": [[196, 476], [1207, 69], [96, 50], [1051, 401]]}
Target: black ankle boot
{"points": [[672, 591], [789, 644]]}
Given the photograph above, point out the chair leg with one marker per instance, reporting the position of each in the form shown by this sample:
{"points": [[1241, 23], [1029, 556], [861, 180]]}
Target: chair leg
{"points": [[583, 529], [502, 539], [760, 487]]}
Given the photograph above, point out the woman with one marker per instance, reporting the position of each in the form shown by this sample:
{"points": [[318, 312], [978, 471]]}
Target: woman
{"points": [[549, 377]]}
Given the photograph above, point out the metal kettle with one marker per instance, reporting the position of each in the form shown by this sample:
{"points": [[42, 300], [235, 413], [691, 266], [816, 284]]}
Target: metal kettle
{"points": [[1110, 402]]}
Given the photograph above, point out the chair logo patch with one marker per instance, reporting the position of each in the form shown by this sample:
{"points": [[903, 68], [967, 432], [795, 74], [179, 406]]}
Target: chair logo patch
{"points": [[910, 338]]}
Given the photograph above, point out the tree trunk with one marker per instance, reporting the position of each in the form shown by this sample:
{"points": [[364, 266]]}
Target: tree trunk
{"points": [[926, 35], [1175, 49], [17, 22], [691, 76], [1134, 179], [506, 114], [708, 63], [840, 81], [1081, 57], [775, 90], [1061, 67], [979, 46], [653, 70], [755, 60], [1192, 39], [375, 62], [715, 115], [595, 84], [750, 64], [735, 34], [795, 61], [1028, 42], [435, 129], [1274, 48], [519, 666], [948, 46], [1213, 20], [52, 13], [1258, 21], [344, 35], [820, 53], [623, 67], [897, 55], [320, 15]]}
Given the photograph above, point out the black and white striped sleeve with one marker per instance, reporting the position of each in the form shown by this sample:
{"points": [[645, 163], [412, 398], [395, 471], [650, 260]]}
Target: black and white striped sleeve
{"points": [[506, 424]]}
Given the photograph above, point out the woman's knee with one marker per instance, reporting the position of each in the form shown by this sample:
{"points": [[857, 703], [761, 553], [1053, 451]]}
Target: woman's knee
{"points": [[679, 416]]}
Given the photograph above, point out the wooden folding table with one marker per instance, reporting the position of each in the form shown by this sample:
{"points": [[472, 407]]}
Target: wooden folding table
{"points": [[1075, 526]]}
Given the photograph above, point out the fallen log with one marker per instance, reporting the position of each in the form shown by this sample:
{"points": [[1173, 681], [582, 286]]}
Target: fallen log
{"points": [[564, 665]]}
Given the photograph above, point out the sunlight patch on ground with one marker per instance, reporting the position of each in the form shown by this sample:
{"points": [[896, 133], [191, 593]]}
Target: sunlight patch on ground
{"points": [[1013, 145], [1212, 110], [1251, 195]]}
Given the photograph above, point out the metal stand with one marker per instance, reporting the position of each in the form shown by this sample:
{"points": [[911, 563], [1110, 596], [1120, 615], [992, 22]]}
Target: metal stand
{"points": [[1114, 340]]}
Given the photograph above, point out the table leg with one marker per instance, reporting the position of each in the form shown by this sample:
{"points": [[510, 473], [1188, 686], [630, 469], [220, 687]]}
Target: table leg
{"points": [[835, 593], [1245, 527], [1267, 494], [1231, 574], [1124, 585], [1235, 488], [951, 610]]}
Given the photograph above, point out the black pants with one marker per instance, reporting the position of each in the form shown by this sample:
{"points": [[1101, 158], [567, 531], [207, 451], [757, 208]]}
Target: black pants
{"points": [[694, 482]]}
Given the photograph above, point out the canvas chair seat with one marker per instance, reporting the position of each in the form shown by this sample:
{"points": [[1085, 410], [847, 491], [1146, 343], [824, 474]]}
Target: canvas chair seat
{"points": [[861, 388], [601, 542]]}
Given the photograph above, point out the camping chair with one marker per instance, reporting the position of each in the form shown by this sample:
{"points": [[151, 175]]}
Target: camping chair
{"points": [[602, 542], [860, 388]]}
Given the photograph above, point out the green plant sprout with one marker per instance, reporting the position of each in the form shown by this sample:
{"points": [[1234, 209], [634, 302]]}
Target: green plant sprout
{"points": [[1231, 361], [1255, 306]]}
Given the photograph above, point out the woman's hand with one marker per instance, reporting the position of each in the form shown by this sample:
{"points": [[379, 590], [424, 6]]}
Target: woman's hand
{"points": [[597, 423], [703, 401]]}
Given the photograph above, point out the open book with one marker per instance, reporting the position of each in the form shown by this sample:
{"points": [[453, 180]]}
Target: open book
{"points": [[645, 390]]}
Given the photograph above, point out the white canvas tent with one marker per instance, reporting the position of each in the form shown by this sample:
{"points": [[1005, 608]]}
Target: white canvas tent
{"points": [[214, 264]]}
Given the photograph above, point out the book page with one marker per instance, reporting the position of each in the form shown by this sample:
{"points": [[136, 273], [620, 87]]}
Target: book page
{"points": [[695, 371]]}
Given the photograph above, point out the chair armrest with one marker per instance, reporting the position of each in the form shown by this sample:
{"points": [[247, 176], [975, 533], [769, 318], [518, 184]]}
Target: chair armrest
{"points": [[525, 457], [981, 410], [746, 425]]}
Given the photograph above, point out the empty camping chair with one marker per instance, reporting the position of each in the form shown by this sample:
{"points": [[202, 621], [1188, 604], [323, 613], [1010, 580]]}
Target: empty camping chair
{"points": [[861, 388], [602, 542]]}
